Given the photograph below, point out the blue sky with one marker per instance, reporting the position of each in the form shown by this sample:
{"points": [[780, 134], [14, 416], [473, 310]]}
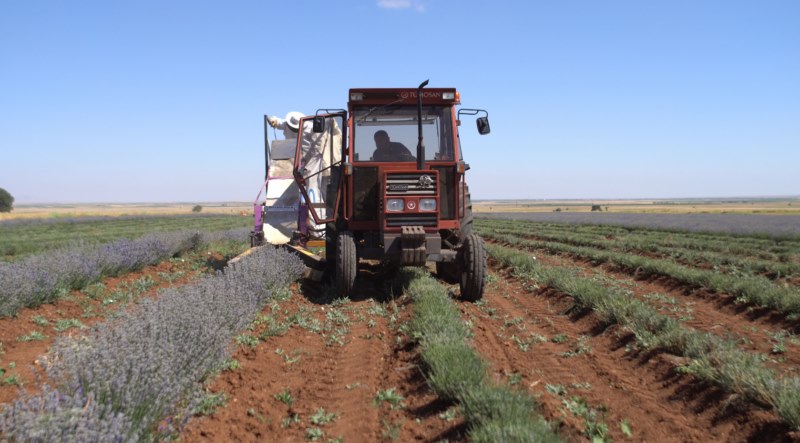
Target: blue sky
{"points": [[153, 101]]}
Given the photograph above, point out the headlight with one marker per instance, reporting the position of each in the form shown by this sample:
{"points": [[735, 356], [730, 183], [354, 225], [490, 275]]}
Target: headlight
{"points": [[394, 204], [427, 204]]}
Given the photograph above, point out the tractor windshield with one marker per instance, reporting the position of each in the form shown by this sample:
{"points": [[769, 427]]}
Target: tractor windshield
{"points": [[389, 133]]}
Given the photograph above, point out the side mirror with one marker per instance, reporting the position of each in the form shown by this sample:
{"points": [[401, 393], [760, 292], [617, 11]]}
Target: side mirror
{"points": [[483, 125], [319, 124]]}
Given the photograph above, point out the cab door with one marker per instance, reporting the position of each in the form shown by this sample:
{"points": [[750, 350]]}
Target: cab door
{"points": [[317, 168]]}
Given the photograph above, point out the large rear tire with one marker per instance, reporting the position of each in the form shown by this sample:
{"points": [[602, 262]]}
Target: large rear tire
{"points": [[466, 220], [449, 272], [472, 259], [346, 263]]}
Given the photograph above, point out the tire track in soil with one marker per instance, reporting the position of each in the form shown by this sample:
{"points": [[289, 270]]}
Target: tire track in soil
{"points": [[343, 379], [752, 328], [658, 403], [76, 305]]}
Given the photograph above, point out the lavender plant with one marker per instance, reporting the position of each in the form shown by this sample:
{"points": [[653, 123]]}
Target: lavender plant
{"points": [[141, 370], [57, 416], [43, 278]]}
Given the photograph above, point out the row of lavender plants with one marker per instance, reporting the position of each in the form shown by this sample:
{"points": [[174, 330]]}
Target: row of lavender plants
{"points": [[42, 278], [761, 225], [136, 378]]}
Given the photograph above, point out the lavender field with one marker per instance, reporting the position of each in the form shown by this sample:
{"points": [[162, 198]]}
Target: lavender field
{"points": [[761, 225], [41, 278], [137, 377]]}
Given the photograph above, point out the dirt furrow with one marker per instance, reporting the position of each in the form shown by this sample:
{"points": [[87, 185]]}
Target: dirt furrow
{"points": [[589, 379], [342, 367], [756, 330], [285, 379]]}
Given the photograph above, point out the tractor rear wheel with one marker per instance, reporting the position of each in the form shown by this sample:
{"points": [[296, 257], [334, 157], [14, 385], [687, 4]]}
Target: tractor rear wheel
{"points": [[450, 271], [472, 260], [466, 220], [346, 263]]}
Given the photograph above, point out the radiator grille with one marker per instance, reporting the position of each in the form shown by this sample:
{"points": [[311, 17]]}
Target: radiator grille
{"points": [[397, 220], [411, 184]]}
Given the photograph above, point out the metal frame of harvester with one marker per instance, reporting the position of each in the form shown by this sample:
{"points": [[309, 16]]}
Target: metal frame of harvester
{"points": [[405, 213]]}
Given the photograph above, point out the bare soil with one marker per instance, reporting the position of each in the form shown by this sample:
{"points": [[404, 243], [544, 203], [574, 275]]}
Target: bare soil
{"points": [[759, 330], [581, 357], [341, 376]]}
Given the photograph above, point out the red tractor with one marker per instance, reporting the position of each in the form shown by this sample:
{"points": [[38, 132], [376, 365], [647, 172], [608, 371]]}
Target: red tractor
{"points": [[371, 197]]}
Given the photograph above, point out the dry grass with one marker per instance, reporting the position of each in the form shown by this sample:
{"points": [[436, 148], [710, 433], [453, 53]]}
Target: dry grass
{"points": [[118, 209]]}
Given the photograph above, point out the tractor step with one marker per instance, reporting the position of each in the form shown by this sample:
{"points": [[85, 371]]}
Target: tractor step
{"points": [[315, 244]]}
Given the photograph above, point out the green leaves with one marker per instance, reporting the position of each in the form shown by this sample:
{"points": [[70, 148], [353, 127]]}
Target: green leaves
{"points": [[285, 397]]}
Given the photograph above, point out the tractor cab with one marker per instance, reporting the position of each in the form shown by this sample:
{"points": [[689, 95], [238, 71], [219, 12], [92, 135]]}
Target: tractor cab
{"points": [[404, 173]]}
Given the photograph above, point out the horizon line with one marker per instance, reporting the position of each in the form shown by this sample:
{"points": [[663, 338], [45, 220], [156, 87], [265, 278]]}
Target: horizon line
{"points": [[242, 202]]}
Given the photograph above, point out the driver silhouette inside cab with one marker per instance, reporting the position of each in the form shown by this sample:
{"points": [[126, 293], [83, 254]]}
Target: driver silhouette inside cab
{"points": [[389, 151]]}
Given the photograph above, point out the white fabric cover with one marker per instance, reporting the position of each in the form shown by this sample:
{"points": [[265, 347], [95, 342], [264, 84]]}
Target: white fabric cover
{"points": [[283, 196]]}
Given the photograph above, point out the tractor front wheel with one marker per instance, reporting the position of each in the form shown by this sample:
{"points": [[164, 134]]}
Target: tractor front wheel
{"points": [[472, 260], [346, 263]]}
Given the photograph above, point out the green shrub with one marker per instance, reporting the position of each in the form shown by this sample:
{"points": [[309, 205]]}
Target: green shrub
{"points": [[6, 201]]}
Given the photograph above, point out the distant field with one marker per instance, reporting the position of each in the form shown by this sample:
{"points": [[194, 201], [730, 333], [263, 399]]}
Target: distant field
{"points": [[769, 225], [721, 206]]}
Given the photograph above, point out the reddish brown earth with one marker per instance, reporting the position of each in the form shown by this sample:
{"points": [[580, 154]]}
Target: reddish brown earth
{"points": [[573, 354], [756, 330], [341, 376], [579, 362], [26, 356]]}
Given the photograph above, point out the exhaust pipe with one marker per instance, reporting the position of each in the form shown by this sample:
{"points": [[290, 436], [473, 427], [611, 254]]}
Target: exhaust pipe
{"points": [[420, 144]]}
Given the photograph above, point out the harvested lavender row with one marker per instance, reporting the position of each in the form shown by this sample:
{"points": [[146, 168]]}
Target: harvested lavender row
{"points": [[43, 278], [136, 378]]}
